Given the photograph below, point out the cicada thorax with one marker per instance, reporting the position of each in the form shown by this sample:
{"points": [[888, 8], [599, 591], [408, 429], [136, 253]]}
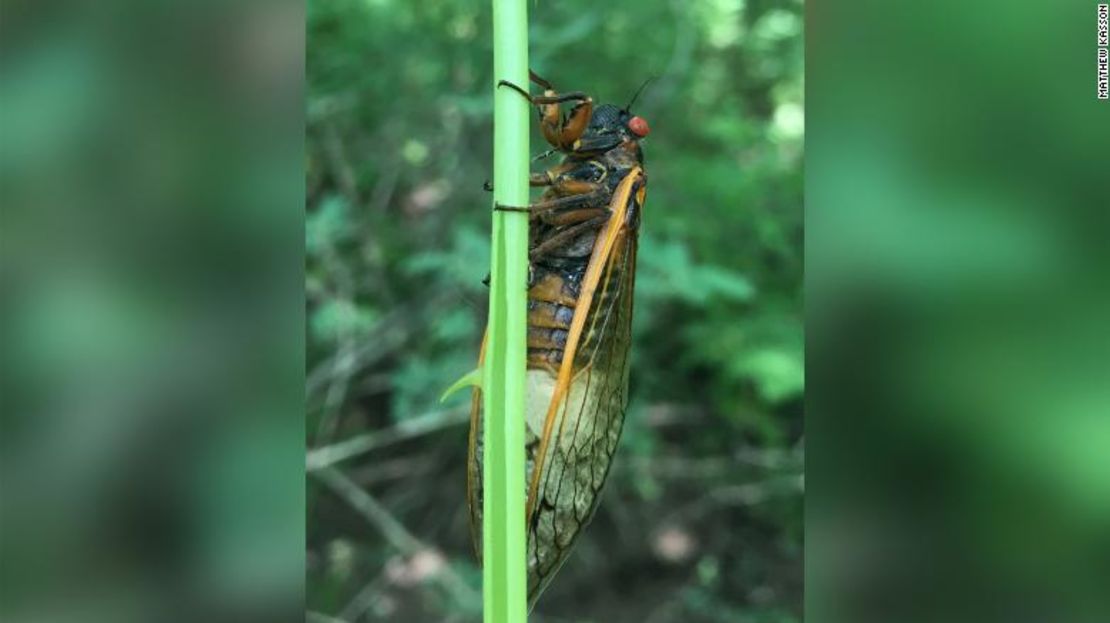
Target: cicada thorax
{"points": [[583, 232]]}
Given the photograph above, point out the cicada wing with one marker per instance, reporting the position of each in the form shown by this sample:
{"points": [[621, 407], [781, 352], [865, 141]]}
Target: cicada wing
{"points": [[541, 386], [474, 462], [581, 407], [586, 409]]}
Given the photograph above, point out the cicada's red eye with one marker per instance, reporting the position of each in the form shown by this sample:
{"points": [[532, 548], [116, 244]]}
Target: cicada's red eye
{"points": [[639, 126]]}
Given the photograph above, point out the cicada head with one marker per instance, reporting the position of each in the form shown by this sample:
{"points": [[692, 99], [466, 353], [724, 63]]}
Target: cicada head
{"points": [[638, 126], [607, 119], [611, 127]]}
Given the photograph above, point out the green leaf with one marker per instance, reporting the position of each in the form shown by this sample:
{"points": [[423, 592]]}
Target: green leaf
{"points": [[470, 379]]}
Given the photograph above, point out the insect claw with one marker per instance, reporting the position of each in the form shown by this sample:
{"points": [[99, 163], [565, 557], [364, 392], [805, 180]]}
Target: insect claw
{"points": [[504, 208], [487, 186], [540, 81], [506, 83]]}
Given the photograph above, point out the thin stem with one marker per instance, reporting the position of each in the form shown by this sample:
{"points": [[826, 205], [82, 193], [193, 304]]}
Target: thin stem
{"points": [[326, 456], [504, 575]]}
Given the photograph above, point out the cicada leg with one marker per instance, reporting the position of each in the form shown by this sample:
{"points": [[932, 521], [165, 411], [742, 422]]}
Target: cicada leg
{"points": [[539, 179], [578, 220], [534, 77], [561, 132], [534, 180], [585, 219], [540, 209], [576, 194]]}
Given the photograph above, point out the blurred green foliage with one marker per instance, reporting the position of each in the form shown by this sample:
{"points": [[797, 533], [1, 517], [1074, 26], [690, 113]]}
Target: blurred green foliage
{"points": [[956, 220], [151, 359], [701, 519]]}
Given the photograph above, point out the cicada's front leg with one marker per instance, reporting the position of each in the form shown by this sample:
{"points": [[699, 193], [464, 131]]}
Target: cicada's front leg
{"points": [[561, 132]]}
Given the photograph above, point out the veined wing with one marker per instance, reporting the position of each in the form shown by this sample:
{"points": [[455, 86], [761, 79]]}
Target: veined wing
{"points": [[582, 425], [574, 417]]}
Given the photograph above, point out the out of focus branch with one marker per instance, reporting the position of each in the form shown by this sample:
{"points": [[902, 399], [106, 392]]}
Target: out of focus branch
{"points": [[391, 334], [319, 617], [337, 157], [393, 531], [748, 494], [327, 456]]}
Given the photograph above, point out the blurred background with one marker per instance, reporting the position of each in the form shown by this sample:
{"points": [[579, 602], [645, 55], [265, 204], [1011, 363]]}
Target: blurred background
{"points": [[151, 351], [153, 319], [701, 519], [958, 403]]}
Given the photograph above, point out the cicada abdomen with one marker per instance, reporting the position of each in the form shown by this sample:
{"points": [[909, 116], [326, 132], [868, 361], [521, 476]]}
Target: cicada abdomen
{"points": [[583, 235]]}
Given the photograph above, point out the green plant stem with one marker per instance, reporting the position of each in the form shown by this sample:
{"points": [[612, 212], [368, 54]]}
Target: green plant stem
{"points": [[504, 574]]}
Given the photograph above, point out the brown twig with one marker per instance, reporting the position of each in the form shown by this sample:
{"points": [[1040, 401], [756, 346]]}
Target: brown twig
{"points": [[326, 456], [394, 532]]}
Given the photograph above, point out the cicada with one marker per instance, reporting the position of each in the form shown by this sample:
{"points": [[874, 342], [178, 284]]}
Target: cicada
{"points": [[582, 255]]}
